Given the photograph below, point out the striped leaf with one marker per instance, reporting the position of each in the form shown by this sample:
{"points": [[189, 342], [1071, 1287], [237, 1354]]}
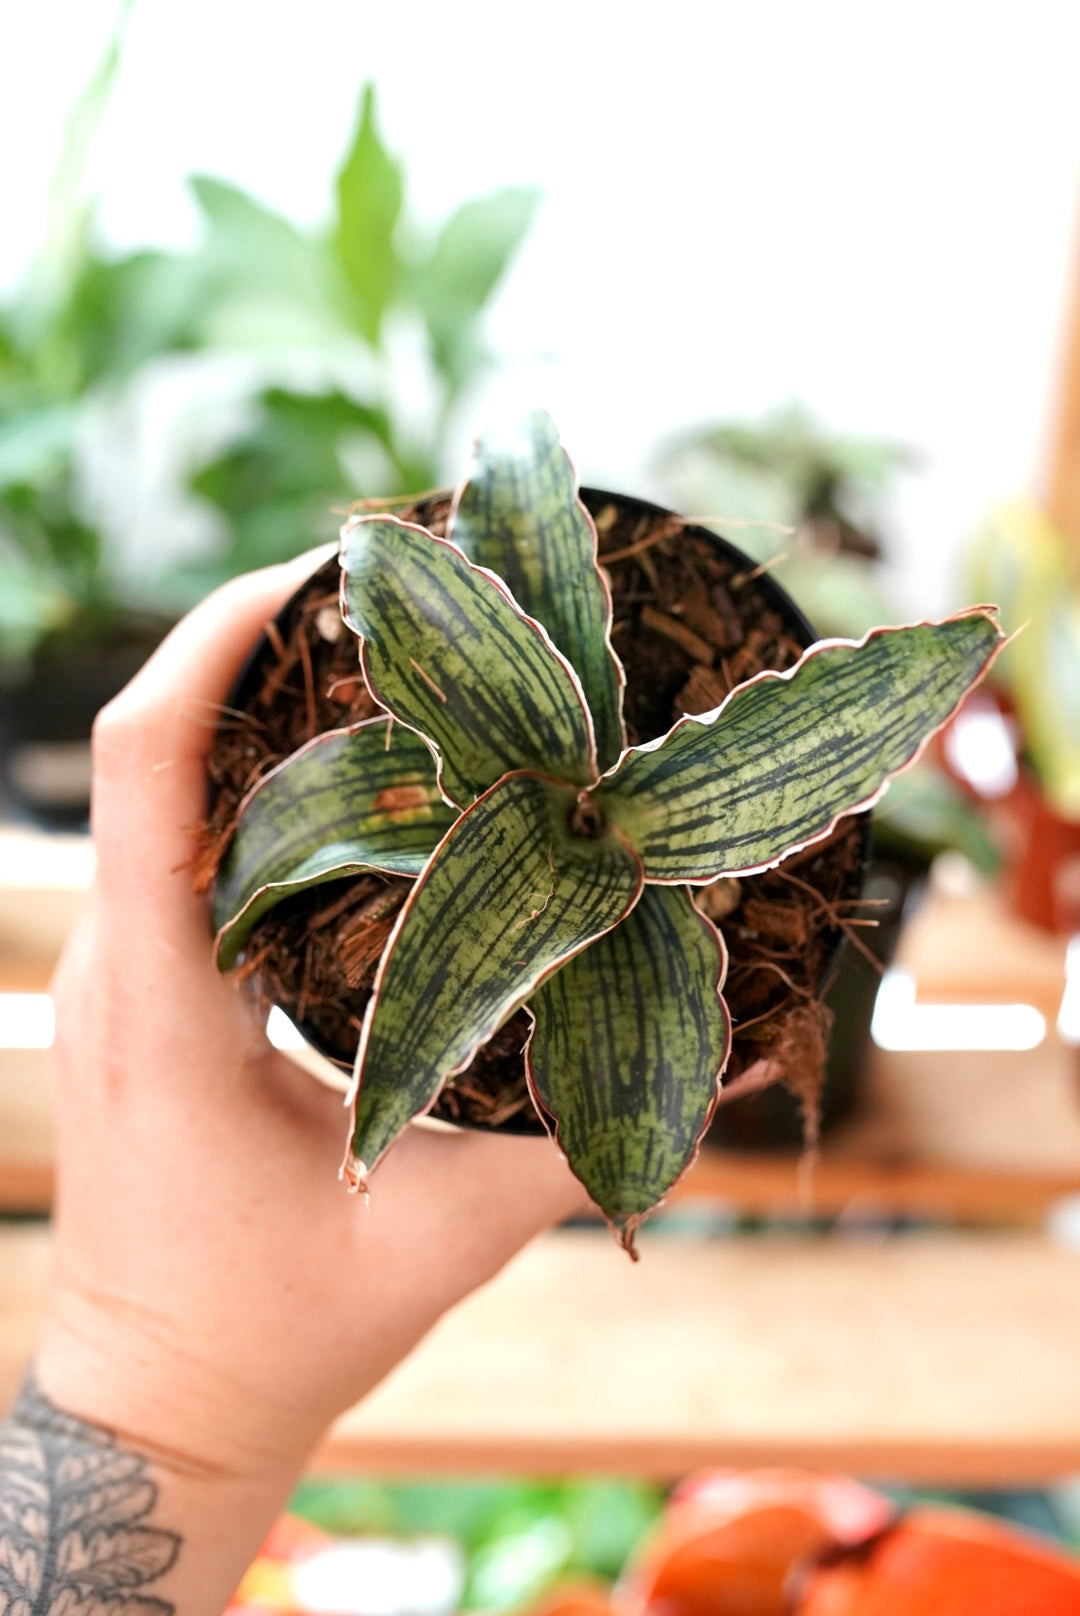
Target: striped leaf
{"points": [[447, 650], [629, 1041], [787, 754], [508, 897], [519, 515], [350, 801]]}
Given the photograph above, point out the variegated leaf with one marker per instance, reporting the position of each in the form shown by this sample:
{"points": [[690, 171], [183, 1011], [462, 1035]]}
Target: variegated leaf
{"points": [[348, 802], [448, 651], [519, 515], [787, 755], [629, 1042], [509, 895]]}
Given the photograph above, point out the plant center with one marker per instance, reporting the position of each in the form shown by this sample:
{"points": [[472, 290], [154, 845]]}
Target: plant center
{"points": [[586, 820]]}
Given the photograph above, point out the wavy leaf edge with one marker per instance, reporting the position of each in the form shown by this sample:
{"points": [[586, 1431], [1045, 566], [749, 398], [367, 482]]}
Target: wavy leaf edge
{"points": [[370, 518], [347, 867], [990, 613], [600, 571], [625, 1231], [354, 1172]]}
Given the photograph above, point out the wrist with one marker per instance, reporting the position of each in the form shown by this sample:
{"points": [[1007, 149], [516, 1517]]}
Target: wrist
{"points": [[132, 1372]]}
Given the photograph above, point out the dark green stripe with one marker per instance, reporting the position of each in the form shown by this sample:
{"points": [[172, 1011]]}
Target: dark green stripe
{"points": [[506, 701], [630, 1038], [787, 756], [319, 811], [519, 515], [468, 945]]}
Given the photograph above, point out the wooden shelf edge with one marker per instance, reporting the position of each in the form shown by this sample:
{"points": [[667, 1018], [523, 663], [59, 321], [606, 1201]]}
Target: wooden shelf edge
{"points": [[773, 1185], [835, 1185], [26, 1188], [918, 1463]]}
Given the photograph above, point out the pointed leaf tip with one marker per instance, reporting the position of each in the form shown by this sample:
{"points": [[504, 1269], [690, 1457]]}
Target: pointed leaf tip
{"points": [[787, 755], [519, 515], [629, 1040]]}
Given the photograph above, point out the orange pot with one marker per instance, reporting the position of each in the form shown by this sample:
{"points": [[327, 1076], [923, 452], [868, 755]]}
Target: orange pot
{"points": [[946, 1563], [729, 1542]]}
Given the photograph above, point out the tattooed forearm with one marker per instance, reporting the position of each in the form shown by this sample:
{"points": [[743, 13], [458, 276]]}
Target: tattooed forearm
{"points": [[73, 1511]]}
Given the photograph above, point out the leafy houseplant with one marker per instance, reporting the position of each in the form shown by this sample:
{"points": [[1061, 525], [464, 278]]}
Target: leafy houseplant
{"points": [[554, 867], [301, 330]]}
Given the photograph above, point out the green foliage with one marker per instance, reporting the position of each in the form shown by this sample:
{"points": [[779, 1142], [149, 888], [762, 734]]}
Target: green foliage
{"points": [[788, 478], [519, 1537], [786, 755], [437, 634], [536, 536], [352, 801], [370, 190], [342, 298], [808, 503], [318, 314], [535, 894]]}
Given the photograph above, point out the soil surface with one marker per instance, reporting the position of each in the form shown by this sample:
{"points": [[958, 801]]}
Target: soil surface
{"points": [[690, 622]]}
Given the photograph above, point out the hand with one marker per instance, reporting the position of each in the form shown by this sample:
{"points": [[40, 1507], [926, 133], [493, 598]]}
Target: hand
{"points": [[217, 1294]]}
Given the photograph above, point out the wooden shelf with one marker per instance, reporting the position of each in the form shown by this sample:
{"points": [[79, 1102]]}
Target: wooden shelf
{"points": [[944, 1359], [962, 1136]]}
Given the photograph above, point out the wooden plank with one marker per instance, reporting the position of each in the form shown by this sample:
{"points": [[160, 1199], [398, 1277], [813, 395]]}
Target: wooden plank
{"points": [[937, 1359], [934, 1359], [969, 947], [26, 1132]]}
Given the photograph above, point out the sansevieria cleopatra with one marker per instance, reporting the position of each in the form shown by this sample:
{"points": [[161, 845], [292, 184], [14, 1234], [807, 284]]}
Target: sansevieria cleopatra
{"points": [[554, 867]]}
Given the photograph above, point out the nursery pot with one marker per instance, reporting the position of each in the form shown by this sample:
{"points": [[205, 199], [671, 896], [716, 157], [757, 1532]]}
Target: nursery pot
{"points": [[692, 617]]}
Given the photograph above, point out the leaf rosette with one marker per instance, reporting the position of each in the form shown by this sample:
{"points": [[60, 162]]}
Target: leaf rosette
{"points": [[554, 865]]}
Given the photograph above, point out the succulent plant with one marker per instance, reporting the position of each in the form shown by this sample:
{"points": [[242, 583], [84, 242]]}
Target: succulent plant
{"points": [[554, 866]]}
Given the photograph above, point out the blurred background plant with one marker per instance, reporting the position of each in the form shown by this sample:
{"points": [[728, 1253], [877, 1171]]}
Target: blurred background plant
{"points": [[235, 396], [811, 506], [1026, 765], [331, 412]]}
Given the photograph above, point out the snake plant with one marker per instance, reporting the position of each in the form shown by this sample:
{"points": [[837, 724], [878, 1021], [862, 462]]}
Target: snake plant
{"points": [[553, 865]]}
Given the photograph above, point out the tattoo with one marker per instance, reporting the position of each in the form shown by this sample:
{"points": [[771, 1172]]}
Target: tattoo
{"points": [[73, 1507]]}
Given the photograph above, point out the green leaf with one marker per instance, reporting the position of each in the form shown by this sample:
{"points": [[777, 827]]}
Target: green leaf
{"points": [[370, 190], [122, 312], [630, 1039], [508, 897], [467, 262], [519, 515], [348, 802], [787, 754], [71, 196], [448, 652], [35, 442], [267, 283]]}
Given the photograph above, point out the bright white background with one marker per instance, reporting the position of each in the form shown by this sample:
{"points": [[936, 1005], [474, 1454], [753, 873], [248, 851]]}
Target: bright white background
{"points": [[869, 206]]}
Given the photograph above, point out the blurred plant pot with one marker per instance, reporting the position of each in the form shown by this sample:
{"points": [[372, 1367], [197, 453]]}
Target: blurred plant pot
{"points": [[662, 635], [1042, 877], [46, 718], [1041, 848]]}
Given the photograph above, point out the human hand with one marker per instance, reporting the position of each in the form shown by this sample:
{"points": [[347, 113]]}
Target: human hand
{"points": [[217, 1294]]}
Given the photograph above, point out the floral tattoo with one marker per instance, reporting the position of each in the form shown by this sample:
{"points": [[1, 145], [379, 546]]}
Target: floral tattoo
{"points": [[73, 1512]]}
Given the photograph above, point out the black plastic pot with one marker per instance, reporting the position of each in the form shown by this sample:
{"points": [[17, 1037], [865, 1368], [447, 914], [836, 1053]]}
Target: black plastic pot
{"points": [[747, 1122], [46, 718]]}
